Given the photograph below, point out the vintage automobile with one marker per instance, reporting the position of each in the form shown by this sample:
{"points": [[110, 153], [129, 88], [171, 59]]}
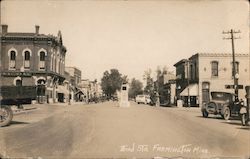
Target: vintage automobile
{"points": [[14, 95], [145, 99], [222, 103]]}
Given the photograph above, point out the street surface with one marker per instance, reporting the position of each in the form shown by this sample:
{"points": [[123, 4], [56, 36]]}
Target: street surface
{"points": [[104, 130]]}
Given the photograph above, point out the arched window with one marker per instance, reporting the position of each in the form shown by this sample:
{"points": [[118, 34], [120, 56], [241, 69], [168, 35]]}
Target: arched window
{"points": [[12, 64], [18, 82], [214, 68], [26, 59], [42, 60]]}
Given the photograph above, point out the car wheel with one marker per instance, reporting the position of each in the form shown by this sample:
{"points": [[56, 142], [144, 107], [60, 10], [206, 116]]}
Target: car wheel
{"points": [[226, 113], [204, 113], [6, 115], [138, 102]]}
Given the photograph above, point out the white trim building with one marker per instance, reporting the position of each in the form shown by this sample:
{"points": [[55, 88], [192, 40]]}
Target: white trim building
{"points": [[202, 73]]}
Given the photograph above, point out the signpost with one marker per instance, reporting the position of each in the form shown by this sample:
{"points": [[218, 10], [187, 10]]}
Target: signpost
{"points": [[234, 86]]}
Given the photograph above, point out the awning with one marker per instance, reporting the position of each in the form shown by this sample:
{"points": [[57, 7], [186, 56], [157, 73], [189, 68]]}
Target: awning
{"points": [[191, 90], [62, 89]]}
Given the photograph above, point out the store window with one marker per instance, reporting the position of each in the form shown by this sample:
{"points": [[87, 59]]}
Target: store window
{"points": [[236, 68]]}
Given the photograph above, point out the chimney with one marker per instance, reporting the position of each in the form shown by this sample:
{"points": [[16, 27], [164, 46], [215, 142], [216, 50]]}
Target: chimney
{"points": [[37, 29], [4, 29]]}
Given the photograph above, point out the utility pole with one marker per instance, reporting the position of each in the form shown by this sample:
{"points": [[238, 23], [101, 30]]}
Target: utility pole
{"points": [[188, 63], [232, 32]]}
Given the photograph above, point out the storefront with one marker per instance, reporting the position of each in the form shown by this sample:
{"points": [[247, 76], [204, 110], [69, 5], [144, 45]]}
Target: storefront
{"points": [[190, 93]]}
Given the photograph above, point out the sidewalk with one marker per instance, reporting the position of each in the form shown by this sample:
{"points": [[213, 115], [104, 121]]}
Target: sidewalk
{"points": [[189, 109], [26, 108]]}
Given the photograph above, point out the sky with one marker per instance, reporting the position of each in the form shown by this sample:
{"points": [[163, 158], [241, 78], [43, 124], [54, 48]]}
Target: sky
{"points": [[132, 35]]}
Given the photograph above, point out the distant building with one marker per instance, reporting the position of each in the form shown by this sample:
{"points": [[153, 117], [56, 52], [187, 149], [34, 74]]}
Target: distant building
{"points": [[170, 86], [74, 76], [85, 88], [202, 73], [90, 89], [33, 59]]}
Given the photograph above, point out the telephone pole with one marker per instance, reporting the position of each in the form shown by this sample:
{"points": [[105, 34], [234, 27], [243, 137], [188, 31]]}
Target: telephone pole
{"points": [[232, 38]]}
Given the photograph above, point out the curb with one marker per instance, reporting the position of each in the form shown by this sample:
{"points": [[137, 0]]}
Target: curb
{"points": [[17, 111]]}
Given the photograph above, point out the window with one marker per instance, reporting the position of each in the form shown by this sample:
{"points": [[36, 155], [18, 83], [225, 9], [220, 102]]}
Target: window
{"points": [[42, 60], [12, 60], [214, 67], [236, 68], [26, 59], [18, 82]]}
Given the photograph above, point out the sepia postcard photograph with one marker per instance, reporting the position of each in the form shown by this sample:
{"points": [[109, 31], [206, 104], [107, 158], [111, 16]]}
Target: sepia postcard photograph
{"points": [[124, 79]]}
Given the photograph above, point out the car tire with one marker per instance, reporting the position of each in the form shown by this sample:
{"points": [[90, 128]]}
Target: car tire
{"points": [[226, 113], [6, 117], [204, 113]]}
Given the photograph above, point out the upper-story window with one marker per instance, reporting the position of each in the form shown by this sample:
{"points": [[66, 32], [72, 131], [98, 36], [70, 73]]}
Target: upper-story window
{"points": [[26, 59], [42, 60], [236, 68], [12, 63], [215, 68]]}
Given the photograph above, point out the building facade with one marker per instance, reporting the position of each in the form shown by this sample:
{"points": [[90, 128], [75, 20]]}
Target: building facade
{"points": [[202, 73], [74, 76], [33, 59], [91, 90]]}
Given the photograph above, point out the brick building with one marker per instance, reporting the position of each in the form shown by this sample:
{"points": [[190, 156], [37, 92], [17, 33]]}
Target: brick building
{"points": [[74, 78], [202, 73], [33, 59]]}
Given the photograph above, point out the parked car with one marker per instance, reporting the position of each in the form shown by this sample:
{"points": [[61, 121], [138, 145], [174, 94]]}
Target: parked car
{"points": [[144, 99], [222, 103]]}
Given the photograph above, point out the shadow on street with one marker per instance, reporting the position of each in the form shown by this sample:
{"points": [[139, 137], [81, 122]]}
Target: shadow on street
{"points": [[18, 122]]}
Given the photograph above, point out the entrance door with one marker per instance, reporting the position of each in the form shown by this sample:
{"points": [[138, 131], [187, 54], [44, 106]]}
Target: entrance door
{"points": [[41, 98], [205, 92]]}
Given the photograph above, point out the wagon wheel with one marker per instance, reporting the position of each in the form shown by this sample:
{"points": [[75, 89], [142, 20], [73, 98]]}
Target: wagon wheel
{"points": [[6, 115]]}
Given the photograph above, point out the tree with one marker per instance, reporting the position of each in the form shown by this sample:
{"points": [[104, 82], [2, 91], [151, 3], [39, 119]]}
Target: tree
{"points": [[111, 82], [149, 88], [135, 88]]}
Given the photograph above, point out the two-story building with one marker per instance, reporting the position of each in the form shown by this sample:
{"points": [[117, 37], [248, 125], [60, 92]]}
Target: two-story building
{"points": [[90, 89], [74, 76], [202, 73], [33, 59]]}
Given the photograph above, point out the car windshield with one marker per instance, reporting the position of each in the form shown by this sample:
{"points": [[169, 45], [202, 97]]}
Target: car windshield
{"points": [[221, 96]]}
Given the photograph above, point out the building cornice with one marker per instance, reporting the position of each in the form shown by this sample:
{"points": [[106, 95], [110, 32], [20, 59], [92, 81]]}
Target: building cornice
{"points": [[220, 55]]}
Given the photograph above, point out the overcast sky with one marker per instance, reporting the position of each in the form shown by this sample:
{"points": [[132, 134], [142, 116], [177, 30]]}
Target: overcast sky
{"points": [[132, 36]]}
